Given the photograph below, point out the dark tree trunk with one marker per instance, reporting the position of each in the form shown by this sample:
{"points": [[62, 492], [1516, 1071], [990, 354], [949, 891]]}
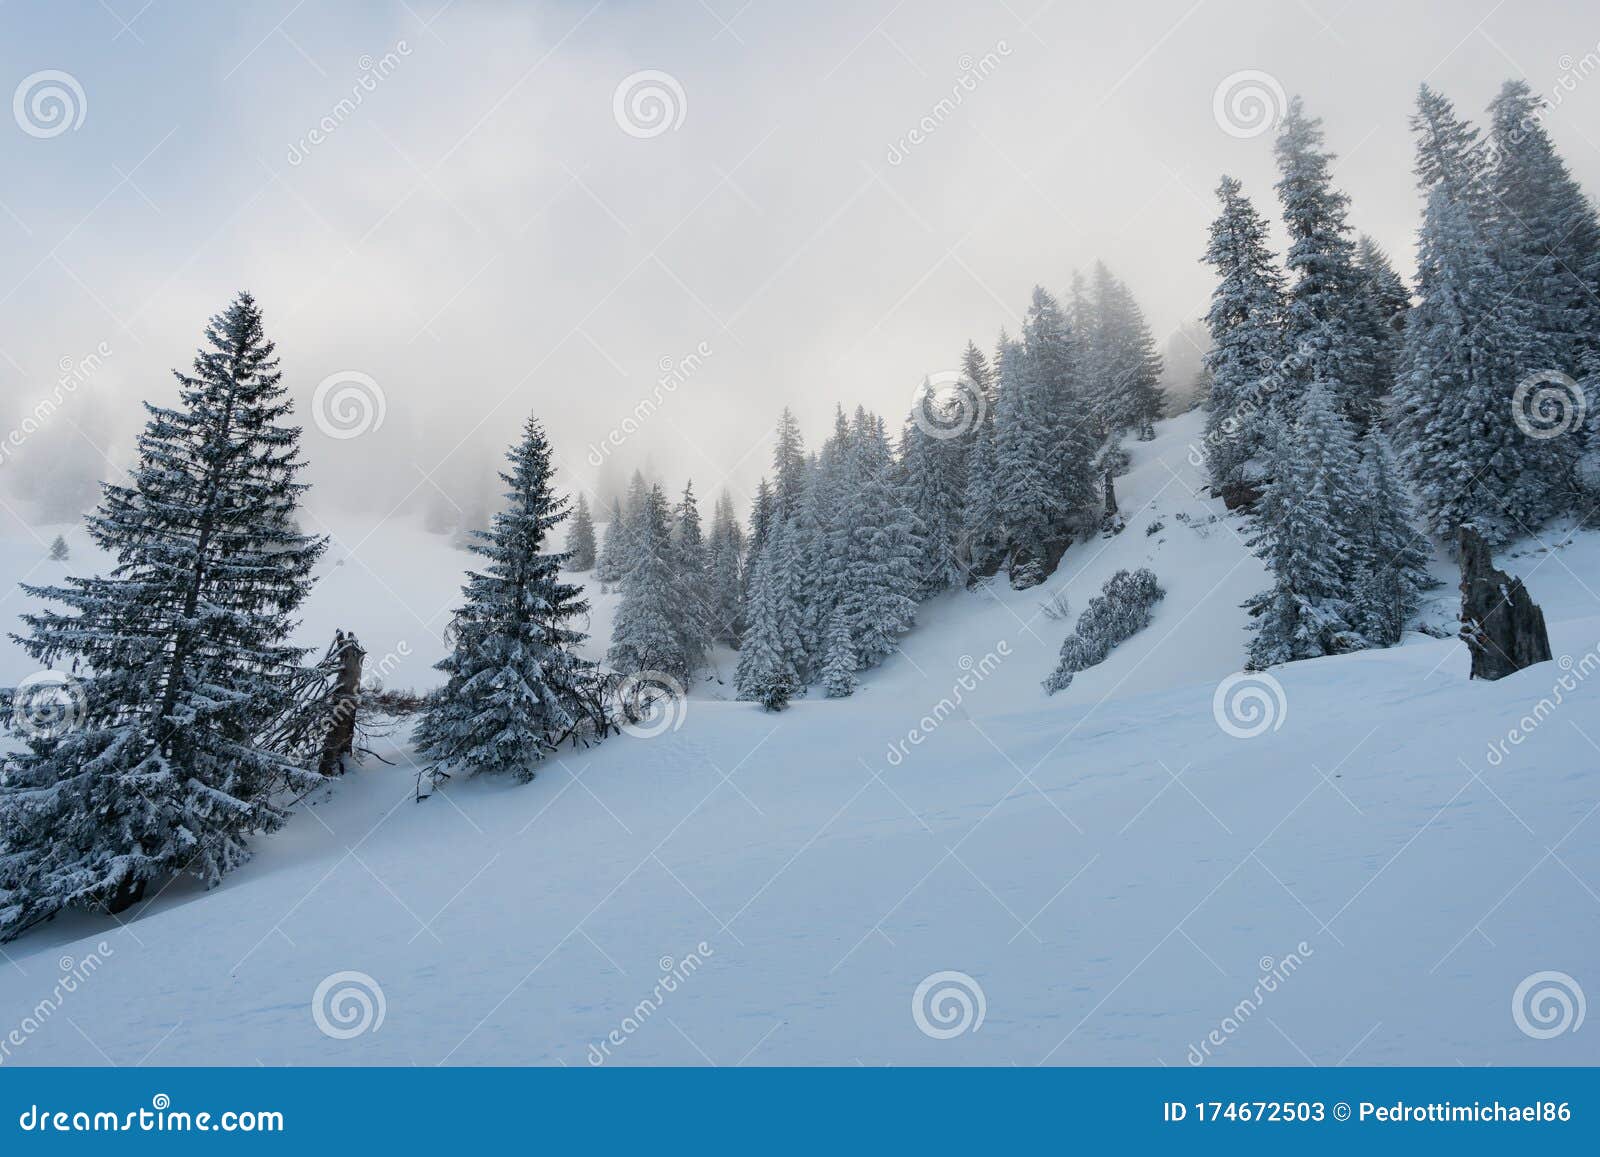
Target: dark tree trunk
{"points": [[128, 893], [1503, 628], [341, 737]]}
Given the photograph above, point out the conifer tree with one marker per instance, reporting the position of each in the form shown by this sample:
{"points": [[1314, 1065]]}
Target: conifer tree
{"points": [[645, 635], [1304, 535], [725, 560], [1328, 323], [839, 658], [982, 541], [58, 549], [1128, 393], [1246, 326], [934, 489], [1028, 504], [515, 685], [877, 575], [1391, 557], [1471, 337], [580, 537], [179, 655], [613, 561], [1060, 405], [691, 586], [788, 465], [768, 672]]}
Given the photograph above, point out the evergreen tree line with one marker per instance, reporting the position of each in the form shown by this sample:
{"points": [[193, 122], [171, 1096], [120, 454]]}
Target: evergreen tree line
{"points": [[1480, 372]]}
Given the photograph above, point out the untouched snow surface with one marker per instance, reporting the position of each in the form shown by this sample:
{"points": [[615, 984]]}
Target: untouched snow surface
{"points": [[1110, 867]]}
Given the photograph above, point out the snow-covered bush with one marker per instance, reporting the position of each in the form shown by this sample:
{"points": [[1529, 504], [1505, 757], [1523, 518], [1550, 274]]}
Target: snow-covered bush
{"points": [[1121, 609]]}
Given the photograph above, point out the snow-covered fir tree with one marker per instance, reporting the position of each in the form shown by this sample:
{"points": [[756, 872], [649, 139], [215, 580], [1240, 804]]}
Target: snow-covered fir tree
{"points": [[1126, 391], [788, 465], [1390, 554], [1304, 534], [1388, 300], [771, 652], [1029, 506], [725, 581], [645, 634], [1470, 338], [179, 656], [838, 658], [1061, 405], [934, 472], [982, 539], [515, 685], [1330, 326], [612, 562], [58, 549], [877, 572], [692, 605], [1246, 326], [580, 537]]}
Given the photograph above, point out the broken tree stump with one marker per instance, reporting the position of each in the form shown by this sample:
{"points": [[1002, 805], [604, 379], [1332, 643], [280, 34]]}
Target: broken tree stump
{"points": [[1502, 626], [341, 735]]}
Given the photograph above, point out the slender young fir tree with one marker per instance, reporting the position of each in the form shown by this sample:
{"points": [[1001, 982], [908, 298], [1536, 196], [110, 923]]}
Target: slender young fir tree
{"points": [[179, 657], [1246, 326], [769, 667], [725, 560], [1329, 326], [877, 570], [1304, 535], [1128, 394], [613, 561], [692, 605], [645, 635], [580, 537], [1390, 556], [839, 658], [981, 537], [516, 685]]}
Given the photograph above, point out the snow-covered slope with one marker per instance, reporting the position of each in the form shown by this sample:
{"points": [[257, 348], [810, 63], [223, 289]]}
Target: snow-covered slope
{"points": [[1114, 867]]}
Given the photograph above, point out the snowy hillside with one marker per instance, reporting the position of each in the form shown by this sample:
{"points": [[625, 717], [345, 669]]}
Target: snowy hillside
{"points": [[1115, 868]]}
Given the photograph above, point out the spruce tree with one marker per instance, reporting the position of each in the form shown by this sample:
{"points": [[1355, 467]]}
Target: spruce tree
{"points": [[768, 672], [1128, 394], [179, 655], [982, 541], [1246, 326], [1471, 337], [58, 549], [645, 635], [1304, 534], [934, 489], [1027, 502], [1060, 404], [839, 658], [515, 686], [1391, 557], [725, 561], [788, 464], [1329, 333], [877, 577], [691, 584], [580, 537], [613, 561]]}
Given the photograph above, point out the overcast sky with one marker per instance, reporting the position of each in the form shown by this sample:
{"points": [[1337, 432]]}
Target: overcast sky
{"points": [[491, 230]]}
